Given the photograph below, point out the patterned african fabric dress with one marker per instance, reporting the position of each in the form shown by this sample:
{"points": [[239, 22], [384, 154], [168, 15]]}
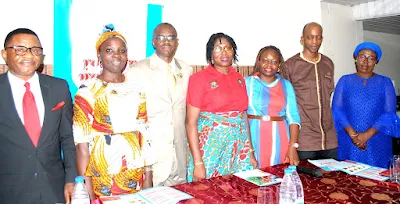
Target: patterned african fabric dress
{"points": [[362, 104], [270, 139], [111, 118], [223, 136]]}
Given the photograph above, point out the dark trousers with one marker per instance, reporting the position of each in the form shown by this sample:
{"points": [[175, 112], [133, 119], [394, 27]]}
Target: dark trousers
{"points": [[321, 154], [396, 146]]}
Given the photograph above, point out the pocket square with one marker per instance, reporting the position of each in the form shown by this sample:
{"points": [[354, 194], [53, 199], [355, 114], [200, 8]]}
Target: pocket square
{"points": [[58, 106]]}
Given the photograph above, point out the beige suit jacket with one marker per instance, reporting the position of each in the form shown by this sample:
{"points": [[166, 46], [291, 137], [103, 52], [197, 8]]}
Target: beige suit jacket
{"points": [[166, 114]]}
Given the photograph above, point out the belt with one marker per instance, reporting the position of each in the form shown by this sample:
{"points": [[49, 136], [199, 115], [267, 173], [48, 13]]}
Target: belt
{"points": [[267, 117]]}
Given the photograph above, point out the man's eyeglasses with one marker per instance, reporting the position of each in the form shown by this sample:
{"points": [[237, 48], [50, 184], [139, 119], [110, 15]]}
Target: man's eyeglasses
{"points": [[170, 38], [220, 49], [370, 59], [21, 50]]}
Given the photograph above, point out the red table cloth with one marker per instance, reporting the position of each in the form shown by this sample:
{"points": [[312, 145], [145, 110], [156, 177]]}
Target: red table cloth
{"points": [[333, 187]]}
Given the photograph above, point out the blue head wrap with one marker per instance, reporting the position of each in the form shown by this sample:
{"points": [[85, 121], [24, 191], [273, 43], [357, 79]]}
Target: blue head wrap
{"points": [[370, 46]]}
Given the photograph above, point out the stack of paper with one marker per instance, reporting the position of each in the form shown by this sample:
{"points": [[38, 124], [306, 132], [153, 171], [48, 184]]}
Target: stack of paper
{"points": [[155, 195], [351, 167], [259, 177]]}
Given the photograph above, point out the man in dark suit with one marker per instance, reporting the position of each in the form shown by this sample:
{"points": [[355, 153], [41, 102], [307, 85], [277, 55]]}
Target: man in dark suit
{"points": [[35, 119]]}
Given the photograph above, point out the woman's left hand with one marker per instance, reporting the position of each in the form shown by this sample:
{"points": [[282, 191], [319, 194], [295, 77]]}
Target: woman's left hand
{"points": [[253, 160], [362, 138], [292, 156]]}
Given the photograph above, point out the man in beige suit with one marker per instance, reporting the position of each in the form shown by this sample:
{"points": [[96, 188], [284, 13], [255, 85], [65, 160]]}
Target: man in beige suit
{"points": [[165, 80]]}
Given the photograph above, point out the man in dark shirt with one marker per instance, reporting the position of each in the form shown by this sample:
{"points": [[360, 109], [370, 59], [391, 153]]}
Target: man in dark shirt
{"points": [[311, 74]]}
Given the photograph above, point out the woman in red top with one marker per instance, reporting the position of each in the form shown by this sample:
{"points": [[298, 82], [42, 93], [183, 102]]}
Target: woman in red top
{"points": [[216, 115]]}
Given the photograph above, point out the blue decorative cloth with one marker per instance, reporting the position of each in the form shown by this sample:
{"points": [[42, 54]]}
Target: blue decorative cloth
{"points": [[370, 46], [108, 28], [362, 106]]}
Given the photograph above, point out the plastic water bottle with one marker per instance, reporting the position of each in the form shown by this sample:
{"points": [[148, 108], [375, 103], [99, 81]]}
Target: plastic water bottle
{"points": [[80, 195], [287, 192], [299, 185]]}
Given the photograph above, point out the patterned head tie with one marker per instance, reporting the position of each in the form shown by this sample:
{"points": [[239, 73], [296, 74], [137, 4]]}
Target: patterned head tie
{"points": [[369, 46], [108, 32]]}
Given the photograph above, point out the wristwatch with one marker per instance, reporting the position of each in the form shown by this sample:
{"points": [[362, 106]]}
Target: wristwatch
{"points": [[295, 145]]}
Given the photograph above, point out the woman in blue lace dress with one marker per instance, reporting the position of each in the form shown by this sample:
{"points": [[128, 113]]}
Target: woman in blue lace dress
{"points": [[364, 110]]}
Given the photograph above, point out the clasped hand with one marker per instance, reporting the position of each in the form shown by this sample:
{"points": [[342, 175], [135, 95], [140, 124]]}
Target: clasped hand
{"points": [[360, 139]]}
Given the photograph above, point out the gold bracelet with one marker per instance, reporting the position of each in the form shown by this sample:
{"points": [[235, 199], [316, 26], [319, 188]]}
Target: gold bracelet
{"points": [[251, 150], [198, 163]]}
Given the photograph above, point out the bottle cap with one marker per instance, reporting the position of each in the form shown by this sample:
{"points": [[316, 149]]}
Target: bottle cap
{"points": [[79, 179], [293, 167], [288, 171]]}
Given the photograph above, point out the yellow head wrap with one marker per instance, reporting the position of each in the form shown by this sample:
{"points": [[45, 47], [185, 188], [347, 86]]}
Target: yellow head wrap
{"points": [[108, 32]]}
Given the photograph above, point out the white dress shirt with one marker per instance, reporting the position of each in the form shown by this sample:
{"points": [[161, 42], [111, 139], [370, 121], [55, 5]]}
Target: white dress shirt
{"points": [[18, 90], [162, 63]]}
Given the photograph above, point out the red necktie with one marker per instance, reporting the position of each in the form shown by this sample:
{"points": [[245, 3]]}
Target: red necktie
{"points": [[31, 115]]}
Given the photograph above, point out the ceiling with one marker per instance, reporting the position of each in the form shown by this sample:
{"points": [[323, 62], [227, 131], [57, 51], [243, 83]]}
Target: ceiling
{"points": [[388, 24]]}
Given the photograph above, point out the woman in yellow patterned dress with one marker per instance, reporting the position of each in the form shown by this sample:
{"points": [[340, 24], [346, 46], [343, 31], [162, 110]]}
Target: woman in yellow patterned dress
{"points": [[110, 126]]}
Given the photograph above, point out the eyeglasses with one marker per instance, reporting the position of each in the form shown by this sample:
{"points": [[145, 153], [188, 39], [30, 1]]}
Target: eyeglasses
{"points": [[169, 38], [220, 49], [21, 50], [370, 59]]}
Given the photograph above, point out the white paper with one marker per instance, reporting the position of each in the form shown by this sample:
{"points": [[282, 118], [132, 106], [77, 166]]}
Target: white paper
{"points": [[351, 167], [158, 195], [325, 164], [258, 177], [373, 173]]}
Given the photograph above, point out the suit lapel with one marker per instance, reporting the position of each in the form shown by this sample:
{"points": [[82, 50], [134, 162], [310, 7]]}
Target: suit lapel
{"points": [[179, 81], [45, 88], [11, 114]]}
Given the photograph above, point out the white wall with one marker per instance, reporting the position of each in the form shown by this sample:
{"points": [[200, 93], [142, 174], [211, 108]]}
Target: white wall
{"points": [[341, 36], [35, 15], [252, 24], [389, 64]]}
